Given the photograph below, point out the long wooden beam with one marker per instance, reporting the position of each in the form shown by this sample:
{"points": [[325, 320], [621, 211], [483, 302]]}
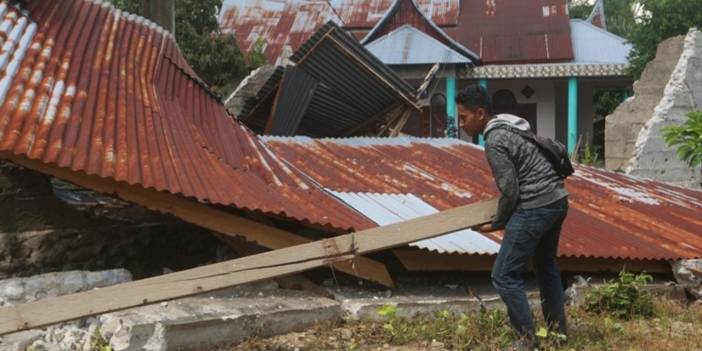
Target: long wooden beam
{"points": [[242, 270], [202, 215]]}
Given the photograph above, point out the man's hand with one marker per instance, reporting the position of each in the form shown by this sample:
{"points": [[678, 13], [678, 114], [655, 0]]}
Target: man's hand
{"points": [[485, 228]]}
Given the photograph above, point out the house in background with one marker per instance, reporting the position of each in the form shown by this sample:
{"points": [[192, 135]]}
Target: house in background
{"points": [[534, 60]]}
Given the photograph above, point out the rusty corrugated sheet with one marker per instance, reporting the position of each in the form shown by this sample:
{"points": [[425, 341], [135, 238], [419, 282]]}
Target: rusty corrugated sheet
{"points": [[285, 24], [524, 31], [611, 215], [106, 93]]}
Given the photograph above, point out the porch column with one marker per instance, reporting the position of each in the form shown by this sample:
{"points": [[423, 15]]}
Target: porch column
{"points": [[572, 113], [451, 125], [483, 83]]}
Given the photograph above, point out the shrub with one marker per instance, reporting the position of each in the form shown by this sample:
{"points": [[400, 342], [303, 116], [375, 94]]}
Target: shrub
{"points": [[624, 298]]}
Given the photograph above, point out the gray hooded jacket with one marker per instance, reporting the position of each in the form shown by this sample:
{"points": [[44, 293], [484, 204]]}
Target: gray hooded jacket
{"points": [[524, 176]]}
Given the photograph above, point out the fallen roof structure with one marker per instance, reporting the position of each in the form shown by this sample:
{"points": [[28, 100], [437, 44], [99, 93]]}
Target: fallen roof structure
{"points": [[239, 271], [612, 216], [105, 100], [335, 76]]}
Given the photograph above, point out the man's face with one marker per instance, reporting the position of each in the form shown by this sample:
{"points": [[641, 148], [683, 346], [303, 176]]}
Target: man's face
{"points": [[472, 121]]}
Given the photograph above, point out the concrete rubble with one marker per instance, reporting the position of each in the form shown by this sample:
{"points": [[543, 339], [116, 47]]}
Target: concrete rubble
{"points": [[248, 88], [653, 108], [67, 336], [692, 282], [622, 127], [233, 315]]}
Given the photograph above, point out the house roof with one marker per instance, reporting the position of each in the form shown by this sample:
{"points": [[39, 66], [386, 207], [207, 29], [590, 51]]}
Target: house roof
{"points": [[525, 31], [91, 89], [408, 45], [351, 87], [598, 16], [611, 215], [589, 41], [286, 24], [408, 12]]}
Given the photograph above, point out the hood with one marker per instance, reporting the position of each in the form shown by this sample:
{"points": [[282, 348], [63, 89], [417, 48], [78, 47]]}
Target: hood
{"points": [[511, 120]]}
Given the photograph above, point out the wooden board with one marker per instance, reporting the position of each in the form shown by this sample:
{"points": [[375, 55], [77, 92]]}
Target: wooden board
{"points": [[423, 260], [202, 215], [253, 268]]}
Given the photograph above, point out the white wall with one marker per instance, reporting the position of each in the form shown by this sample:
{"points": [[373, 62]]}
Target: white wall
{"points": [[544, 98]]}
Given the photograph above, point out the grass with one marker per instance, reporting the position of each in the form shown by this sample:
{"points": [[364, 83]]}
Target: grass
{"points": [[672, 326]]}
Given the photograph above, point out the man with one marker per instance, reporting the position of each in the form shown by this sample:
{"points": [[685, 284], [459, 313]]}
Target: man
{"points": [[532, 207]]}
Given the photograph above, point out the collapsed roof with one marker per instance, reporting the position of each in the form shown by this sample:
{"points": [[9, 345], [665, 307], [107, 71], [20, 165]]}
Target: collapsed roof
{"points": [[611, 215], [95, 90], [335, 87]]}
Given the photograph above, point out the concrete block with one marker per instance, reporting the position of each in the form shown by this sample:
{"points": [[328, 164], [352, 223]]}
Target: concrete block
{"points": [[22, 290], [199, 322]]}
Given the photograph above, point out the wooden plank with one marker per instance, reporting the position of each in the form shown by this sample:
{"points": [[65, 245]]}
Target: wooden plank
{"points": [[239, 271], [202, 215], [423, 260]]}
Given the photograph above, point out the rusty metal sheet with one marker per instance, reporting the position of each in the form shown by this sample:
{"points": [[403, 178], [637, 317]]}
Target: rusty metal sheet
{"points": [[611, 215], [86, 87], [285, 24], [524, 31]]}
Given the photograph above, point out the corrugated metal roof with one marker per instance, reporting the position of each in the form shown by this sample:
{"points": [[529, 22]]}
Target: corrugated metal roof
{"points": [[90, 88], [524, 31], [407, 45], [385, 209], [611, 215], [592, 44], [352, 85], [288, 23]]}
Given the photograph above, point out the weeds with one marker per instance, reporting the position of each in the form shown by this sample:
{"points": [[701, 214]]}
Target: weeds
{"points": [[624, 298]]}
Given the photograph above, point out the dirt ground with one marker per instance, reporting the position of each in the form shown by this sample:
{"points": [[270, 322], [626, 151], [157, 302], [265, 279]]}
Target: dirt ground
{"points": [[675, 327]]}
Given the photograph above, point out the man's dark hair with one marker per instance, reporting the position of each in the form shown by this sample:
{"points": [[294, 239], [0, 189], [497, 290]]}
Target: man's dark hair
{"points": [[473, 97]]}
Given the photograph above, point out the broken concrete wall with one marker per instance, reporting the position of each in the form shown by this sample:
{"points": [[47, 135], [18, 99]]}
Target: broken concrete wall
{"points": [[652, 158], [39, 234], [248, 89], [622, 127]]}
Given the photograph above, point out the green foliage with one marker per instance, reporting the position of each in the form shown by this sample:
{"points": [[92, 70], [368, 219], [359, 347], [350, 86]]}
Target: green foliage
{"points": [[213, 55], [98, 343], [256, 57], [486, 329], [589, 156], [624, 298], [688, 139], [131, 6], [656, 21], [619, 13], [579, 8]]}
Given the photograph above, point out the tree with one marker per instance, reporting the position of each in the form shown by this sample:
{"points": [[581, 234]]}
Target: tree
{"points": [[656, 21], [687, 138], [213, 55], [620, 14]]}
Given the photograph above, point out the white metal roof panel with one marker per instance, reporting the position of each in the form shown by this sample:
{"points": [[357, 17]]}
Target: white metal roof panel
{"points": [[385, 209], [407, 45], [592, 44]]}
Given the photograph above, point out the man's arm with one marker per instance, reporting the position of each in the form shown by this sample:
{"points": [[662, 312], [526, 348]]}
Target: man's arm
{"points": [[505, 174]]}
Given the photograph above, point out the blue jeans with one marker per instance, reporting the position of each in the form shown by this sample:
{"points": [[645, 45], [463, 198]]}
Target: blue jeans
{"points": [[532, 233]]}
